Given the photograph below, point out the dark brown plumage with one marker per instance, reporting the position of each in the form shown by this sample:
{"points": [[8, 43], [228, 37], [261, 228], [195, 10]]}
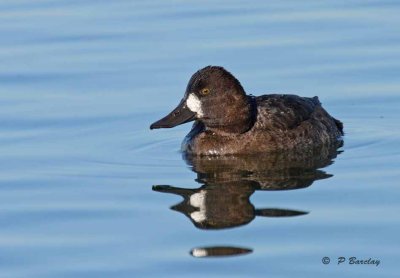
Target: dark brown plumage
{"points": [[230, 122]]}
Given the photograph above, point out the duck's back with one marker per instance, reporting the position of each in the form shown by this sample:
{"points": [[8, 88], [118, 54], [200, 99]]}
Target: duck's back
{"points": [[291, 120], [284, 112]]}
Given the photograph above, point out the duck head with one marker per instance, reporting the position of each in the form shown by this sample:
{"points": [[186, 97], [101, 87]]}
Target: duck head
{"points": [[214, 97]]}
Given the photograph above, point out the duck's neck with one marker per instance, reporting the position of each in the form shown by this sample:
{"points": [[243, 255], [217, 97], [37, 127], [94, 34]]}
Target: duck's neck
{"points": [[235, 118]]}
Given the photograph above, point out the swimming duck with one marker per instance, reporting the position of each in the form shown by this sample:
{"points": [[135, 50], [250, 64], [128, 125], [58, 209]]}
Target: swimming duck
{"points": [[228, 121]]}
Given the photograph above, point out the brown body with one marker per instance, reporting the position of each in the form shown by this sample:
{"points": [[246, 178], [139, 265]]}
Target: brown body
{"points": [[281, 122]]}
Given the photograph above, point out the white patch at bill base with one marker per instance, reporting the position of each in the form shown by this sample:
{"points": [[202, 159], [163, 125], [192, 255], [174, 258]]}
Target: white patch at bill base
{"points": [[194, 104]]}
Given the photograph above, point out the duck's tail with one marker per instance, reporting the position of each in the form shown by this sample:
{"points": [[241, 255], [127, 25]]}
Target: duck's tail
{"points": [[339, 125], [316, 100]]}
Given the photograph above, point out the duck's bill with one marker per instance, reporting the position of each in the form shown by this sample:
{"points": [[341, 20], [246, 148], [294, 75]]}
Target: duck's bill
{"points": [[180, 115]]}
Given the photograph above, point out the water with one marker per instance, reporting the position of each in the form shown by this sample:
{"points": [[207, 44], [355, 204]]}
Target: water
{"points": [[82, 80]]}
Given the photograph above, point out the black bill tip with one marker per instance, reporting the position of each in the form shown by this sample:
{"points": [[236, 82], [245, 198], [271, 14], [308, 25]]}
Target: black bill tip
{"points": [[155, 126]]}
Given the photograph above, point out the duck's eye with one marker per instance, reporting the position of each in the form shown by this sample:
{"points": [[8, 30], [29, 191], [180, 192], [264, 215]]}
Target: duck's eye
{"points": [[205, 91]]}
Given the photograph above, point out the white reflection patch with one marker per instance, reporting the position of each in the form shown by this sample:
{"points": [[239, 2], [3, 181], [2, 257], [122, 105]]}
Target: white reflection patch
{"points": [[198, 200], [199, 252]]}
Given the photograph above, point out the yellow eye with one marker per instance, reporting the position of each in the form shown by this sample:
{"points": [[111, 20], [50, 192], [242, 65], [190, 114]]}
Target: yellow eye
{"points": [[205, 91]]}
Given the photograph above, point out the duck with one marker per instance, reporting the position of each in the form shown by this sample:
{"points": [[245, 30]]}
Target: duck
{"points": [[228, 121]]}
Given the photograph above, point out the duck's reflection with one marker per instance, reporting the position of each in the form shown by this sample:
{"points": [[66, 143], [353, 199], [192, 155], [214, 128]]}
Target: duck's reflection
{"points": [[222, 205], [223, 200]]}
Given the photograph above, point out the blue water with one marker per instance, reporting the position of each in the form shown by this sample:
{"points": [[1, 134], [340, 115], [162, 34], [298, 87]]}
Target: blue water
{"points": [[80, 82]]}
